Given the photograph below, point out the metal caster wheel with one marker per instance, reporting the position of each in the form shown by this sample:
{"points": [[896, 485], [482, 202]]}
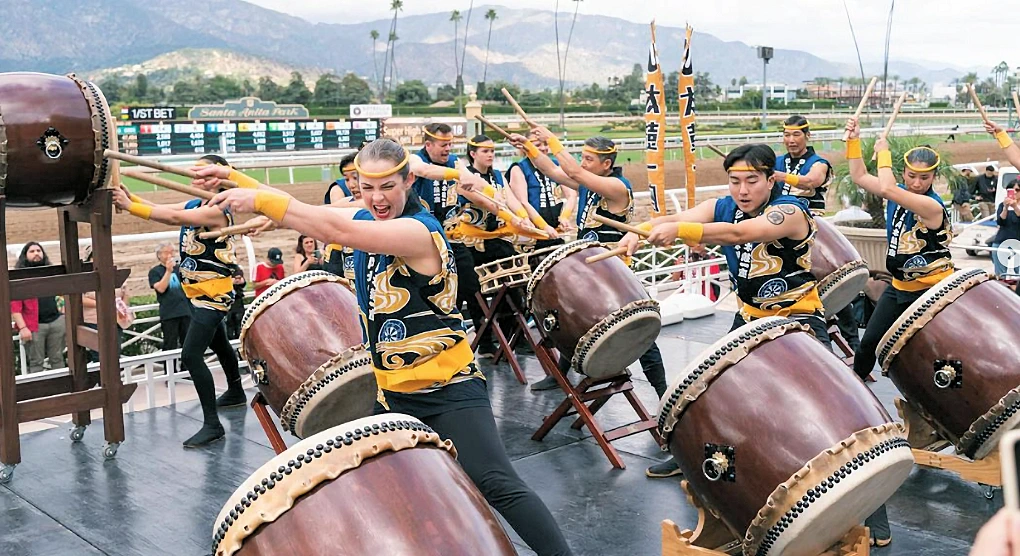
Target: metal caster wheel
{"points": [[110, 450], [989, 492], [6, 473], [77, 433]]}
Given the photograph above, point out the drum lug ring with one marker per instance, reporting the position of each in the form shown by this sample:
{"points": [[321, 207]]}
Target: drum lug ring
{"points": [[948, 374], [551, 320], [52, 143], [258, 371], [720, 463]]}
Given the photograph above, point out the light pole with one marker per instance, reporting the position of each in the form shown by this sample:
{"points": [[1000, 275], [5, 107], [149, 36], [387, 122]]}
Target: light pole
{"points": [[765, 53]]}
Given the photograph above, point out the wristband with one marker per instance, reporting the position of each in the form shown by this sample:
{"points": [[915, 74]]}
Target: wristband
{"points": [[555, 147], [540, 223], [243, 180], [1003, 138], [140, 210], [690, 232], [506, 216], [884, 159], [521, 212], [489, 191], [645, 226], [792, 179], [531, 150], [273, 205], [566, 213], [853, 149], [451, 174]]}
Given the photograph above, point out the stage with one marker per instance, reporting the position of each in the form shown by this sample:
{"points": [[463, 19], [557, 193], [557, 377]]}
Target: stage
{"points": [[157, 498]]}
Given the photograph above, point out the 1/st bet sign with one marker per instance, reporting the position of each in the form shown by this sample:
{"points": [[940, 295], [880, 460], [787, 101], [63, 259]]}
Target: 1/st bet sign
{"points": [[150, 113], [371, 111]]}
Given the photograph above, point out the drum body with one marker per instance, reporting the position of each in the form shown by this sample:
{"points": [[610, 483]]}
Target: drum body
{"points": [[598, 312], [789, 456], [53, 133], [303, 344], [951, 356], [385, 484], [841, 272]]}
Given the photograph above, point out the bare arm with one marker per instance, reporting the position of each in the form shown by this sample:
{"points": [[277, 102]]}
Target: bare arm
{"points": [[519, 187], [1012, 152], [610, 188], [858, 170], [299, 265], [703, 212], [816, 177], [163, 282], [544, 163], [930, 211], [204, 216], [772, 225]]}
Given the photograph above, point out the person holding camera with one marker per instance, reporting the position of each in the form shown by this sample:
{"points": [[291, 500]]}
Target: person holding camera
{"points": [[1008, 219], [307, 255], [174, 306]]}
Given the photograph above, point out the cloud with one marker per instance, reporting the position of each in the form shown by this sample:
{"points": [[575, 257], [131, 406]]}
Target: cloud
{"points": [[923, 30]]}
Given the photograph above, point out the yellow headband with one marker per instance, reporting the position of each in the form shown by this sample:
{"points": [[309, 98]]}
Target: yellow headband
{"points": [[938, 160], [347, 168], [438, 137], [593, 150], [796, 127], [488, 144], [744, 168], [383, 174]]}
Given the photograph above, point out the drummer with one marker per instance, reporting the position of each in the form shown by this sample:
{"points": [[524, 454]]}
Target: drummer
{"points": [[765, 236], [207, 267], [802, 173], [601, 189], [345, 187], [342, 192], [544, 199], [406, 288]]}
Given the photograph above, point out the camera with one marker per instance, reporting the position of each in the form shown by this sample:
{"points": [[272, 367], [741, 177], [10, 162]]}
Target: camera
{"points": [[317, 254]]}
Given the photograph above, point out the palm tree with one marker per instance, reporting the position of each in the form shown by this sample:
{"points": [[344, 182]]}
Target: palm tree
{"points": [[563, 66], [463, 52], [455, 18], [393, 58], [396, 6], [375, 63], [490, 16]]}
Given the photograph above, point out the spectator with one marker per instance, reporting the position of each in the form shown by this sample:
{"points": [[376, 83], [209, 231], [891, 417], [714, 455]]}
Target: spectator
{"points": [[962, 196], [308, 256], [91, 316], [48, 339], [269, 272], [174, 307], [25, 313], [235, 316], [986, 185], [1008, 219]]}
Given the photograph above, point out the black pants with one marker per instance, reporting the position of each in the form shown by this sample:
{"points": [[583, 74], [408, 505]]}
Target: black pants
{"points": [[848, 327], [651, 364], [234, 321], [207, 331], [816, 323], [480, 452], [174, 331], [467, 283], [889, 308]]}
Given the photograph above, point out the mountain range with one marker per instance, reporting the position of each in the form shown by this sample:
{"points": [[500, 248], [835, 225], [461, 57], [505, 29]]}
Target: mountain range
{"points": [[87, 37]]}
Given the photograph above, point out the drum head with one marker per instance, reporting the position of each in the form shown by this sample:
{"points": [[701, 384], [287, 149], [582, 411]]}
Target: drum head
{"points": [[346, 398], [610, 353], [842, 287]]}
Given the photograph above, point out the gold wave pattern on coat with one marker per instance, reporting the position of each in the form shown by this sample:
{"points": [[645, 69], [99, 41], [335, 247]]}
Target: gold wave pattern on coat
{"points": [[935, 267], [910, 242], [784, 299], [226, 255], [416, 349], [762, 263], [190, 244], [389, 298]]}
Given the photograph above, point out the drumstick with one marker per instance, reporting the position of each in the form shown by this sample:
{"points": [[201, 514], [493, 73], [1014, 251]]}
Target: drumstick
{"points": [[892, 120], [493, 126], [616, 252], [155, 180], [977, 102], [620, 225], [161, 167], [860, 106], [517, 108], [716, 150], [230, 230], [1016, 103]]}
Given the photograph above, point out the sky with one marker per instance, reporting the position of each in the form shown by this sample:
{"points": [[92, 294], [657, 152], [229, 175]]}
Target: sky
{"points": [[932, 31]]}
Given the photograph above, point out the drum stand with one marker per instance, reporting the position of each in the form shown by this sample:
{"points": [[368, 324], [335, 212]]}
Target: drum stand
{"points": [[577, 398], [925, 442], [74, 393], [712, 538], [258, 403], [503, 304]]}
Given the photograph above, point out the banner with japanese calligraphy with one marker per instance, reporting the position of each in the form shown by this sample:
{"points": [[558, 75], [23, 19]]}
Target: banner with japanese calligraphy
{"points": [[655, 130], [687, 126]]}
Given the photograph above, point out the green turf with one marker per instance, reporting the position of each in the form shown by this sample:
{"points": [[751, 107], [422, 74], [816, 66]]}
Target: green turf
{"points": [[277, 176]]}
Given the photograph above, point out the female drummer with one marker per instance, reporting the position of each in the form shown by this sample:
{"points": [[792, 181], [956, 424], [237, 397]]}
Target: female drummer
{"points": [[207, 267], [406, 287], [543, 199]]}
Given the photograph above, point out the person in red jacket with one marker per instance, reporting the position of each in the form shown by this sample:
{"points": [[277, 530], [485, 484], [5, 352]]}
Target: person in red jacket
{"points": [[25, 313], [270, 272]]}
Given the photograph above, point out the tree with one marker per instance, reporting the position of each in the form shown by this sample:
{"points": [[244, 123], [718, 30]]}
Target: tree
{"points": [[733, 82], [447, 93], [141, 89], [375, 62], [112, 90], [493, 92], [296, 91], [562, 67], [221, 87], [267, 89], [463, 51], [412, 92], [490, 16], [328, 90], [704, 89], [393, 58], [455, 18], [743, 81], [387, 77], [185, 91], [355, 90]]}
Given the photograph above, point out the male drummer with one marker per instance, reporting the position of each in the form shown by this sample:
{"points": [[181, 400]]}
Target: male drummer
{"points": [[601, 189], [766, 237]]}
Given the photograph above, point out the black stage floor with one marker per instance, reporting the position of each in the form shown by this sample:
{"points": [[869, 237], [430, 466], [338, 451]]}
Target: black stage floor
{"points": [[156, 498]]}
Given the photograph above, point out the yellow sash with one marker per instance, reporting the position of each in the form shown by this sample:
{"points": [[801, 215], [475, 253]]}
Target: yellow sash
{"points": [[809, 304], [439, 369], [330, 248], [921, 283], [463, 229], [209, 288]]}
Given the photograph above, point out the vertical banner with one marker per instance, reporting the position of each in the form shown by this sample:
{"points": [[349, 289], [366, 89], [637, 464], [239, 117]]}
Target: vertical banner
{"points": [[687, 131], [655, 130]]}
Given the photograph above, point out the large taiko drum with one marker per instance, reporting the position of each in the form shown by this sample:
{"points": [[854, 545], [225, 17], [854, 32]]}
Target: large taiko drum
{"points": [[53, 132], [385, 484], [841, 272], [598, 312], [780, 441], [303, 344], [953, 357]]}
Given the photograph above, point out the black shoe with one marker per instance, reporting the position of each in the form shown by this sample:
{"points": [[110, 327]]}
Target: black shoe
{"points": [[207, 435], [524, 348], [487, 351], [231, 398], [662, 470], [547, 383]]}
